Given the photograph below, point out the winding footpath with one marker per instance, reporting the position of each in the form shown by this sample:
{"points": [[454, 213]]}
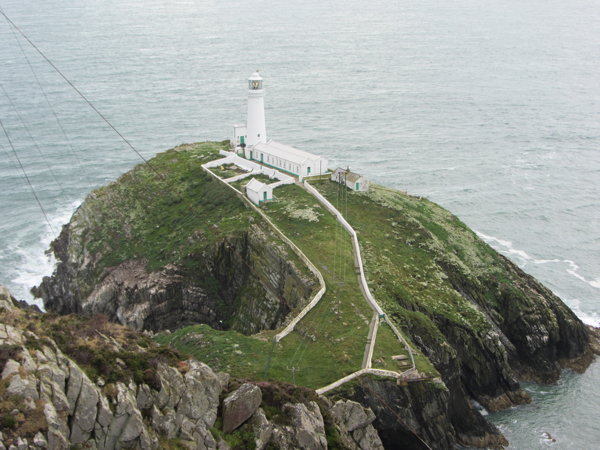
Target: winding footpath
{"points": [[378, 313]]}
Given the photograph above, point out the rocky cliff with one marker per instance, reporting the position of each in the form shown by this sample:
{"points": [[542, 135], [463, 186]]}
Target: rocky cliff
{"points": [[482, 321], [153, 256], [68, 382], [167, 245]]}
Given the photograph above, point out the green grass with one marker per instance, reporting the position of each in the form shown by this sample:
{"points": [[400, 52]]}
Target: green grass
{"points": [[163, 212], [330, 341], [406, 241], [387, 346], [227, 171]]}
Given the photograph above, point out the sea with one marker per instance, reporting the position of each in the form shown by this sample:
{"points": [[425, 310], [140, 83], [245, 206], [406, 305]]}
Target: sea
{"points": [[490, 108]]}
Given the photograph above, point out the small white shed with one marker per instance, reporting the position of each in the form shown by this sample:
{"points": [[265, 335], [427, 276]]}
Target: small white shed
{"points": [[353, 181], [258, 192]]}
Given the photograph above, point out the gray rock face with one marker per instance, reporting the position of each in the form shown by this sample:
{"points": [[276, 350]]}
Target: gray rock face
{"points": [[306, 429], [79, 412], [262, 429], [6, 300], [354, 423], [245, 282], [240, 405]]}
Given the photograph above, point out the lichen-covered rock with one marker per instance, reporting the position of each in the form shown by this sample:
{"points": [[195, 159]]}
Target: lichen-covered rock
{"points": [[149, 272], [6, 299], [262, 429], [85, 410], [306, 429], [51, 390], [355, 424], [240, 405]]}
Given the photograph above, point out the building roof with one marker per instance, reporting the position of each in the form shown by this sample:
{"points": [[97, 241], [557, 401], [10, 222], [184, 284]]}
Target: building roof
{"points": [[255, 76], [353, 177], [285, 152], [349, 176], [255, 185]]}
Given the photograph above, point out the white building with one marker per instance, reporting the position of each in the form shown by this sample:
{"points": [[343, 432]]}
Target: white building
{"points": [[259, 192], [287, 159], [252, 140], [352, 180]]}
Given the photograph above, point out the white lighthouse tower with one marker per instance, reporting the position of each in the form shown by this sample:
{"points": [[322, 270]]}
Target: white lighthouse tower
{"points": [[256, 130]]}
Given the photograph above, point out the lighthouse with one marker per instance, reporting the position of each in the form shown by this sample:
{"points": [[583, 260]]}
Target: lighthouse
{"points": [[250, 141], [256, 130]]}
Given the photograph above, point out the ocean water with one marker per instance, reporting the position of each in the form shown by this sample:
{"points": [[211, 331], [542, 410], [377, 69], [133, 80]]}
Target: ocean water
{"points": [[491, 109]]}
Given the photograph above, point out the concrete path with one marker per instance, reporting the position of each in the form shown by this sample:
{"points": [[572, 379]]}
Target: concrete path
{"points": [[317, 297], [358, 373], [371, 339], [378, 314], [378, 311]]}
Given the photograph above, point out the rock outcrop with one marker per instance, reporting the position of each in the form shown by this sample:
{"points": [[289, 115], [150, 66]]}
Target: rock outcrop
{"points": [[356, 423], [240, 405], [146, 266], [155, 254], [50, 401]]}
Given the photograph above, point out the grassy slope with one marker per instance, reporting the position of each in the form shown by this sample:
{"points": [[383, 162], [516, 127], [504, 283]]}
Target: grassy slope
{"points": [[404, 241], [171, 217], [409, 244], [330, 341], [166, 212]]}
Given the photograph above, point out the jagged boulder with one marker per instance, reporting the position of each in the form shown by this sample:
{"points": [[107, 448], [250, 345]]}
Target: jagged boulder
{"points": [[355, 424], [261, 428], [6, 300], [306, 429], [240, 405], [57, 405]]}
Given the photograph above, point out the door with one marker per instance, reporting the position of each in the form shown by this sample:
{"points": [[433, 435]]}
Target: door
{"points": [[265, 196], [250, 154], [261, 157], [357, 186], [307, 171]]}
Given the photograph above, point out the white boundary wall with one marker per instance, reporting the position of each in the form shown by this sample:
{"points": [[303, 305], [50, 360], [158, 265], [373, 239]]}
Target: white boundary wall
{"points": [[358, 258], [292, 324], [251, 167], [363, 280]]}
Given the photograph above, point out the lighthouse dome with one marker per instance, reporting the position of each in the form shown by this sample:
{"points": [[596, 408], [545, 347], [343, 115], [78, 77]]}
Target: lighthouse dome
{"points": [[255, 81], [255, 76]]}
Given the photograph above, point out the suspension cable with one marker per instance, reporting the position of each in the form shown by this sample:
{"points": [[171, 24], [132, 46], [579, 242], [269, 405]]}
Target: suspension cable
{"points": [[75, 155], [85, 99], [27, 178], [48, 166]]}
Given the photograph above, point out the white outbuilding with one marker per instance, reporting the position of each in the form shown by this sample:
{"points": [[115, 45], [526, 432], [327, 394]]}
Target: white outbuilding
{"points": [[351, 180], [259, 192]]}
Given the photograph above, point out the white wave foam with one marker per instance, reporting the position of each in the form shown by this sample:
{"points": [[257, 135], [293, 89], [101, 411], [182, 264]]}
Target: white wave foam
{"points": [[33, 262], [507, 248], [589, 318]]}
